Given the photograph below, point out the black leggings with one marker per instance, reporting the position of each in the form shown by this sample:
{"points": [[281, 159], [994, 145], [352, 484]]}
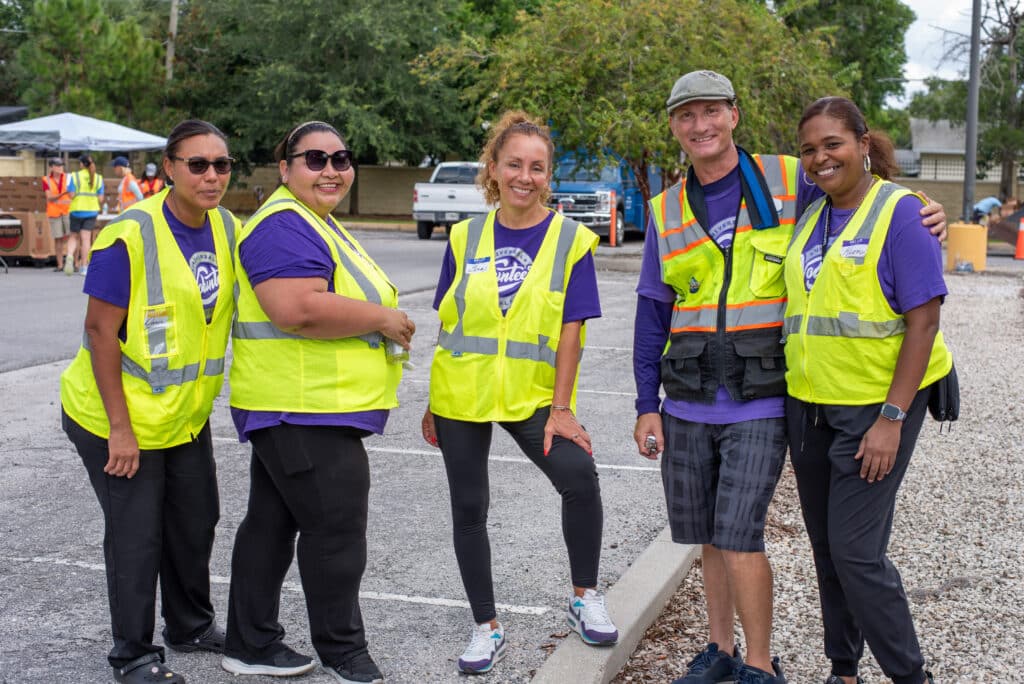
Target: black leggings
{"points": [[465, 447]]}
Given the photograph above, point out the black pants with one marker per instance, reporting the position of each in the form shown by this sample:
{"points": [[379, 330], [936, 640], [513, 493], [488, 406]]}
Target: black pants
{"points": [[313, 482], [849, 522], [160, 522], [465, 447]]}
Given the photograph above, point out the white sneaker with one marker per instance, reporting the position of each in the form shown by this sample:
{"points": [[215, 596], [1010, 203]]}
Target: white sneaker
{"points": [[589, 618], [486, 647]]}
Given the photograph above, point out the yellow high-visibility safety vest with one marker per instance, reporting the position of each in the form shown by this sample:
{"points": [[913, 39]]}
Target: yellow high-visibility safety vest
{"points": [[273, 370], [86, 196], [733, 340], [842, 338], [490, 367], [172, 363]]}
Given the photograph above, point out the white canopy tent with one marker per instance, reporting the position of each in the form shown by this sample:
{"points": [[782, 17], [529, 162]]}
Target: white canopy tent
{"points": [[69, 132]]}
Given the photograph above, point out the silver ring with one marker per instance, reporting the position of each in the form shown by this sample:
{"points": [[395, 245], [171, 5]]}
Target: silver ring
{"points": [[576, 435]]}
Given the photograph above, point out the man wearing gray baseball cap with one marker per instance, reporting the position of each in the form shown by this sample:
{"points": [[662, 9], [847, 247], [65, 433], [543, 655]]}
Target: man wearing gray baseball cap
{"points": [[711, 299]]}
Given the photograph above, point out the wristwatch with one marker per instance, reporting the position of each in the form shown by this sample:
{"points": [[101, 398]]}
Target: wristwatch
{"points": [[893, 412]]}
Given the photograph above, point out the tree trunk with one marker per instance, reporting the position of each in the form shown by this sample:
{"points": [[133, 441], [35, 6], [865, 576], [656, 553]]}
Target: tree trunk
{"points": [[172, 35]]}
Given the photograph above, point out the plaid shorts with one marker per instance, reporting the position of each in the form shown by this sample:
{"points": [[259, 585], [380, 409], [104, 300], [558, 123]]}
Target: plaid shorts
{"points": [[719, 480]]}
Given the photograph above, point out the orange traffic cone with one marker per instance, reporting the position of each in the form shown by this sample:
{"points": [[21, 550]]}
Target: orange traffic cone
{"points": [[1020, 241]]}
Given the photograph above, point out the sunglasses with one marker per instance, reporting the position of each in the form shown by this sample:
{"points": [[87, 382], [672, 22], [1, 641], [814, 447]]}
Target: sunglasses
{"points": [[198, 166], [316, 160]]}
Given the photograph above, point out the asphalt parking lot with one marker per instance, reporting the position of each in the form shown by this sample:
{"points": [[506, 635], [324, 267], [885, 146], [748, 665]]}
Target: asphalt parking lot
{"points": [[54, 624]]}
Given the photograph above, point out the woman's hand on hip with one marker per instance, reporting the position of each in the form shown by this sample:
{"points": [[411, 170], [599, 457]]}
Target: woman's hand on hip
{"points": [[563, 424], [123, 451], [877, 452]]}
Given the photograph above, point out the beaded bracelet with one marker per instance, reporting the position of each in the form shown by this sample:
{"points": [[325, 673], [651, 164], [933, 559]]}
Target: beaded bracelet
{"points": [[555, 407]]}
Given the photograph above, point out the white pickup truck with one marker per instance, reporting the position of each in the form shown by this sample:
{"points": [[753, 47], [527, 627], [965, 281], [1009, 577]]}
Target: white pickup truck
{"points": [[451, 195]]}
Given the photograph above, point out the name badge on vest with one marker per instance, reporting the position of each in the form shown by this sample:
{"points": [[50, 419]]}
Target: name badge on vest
{"points": [[854, 249], [477, 265]]}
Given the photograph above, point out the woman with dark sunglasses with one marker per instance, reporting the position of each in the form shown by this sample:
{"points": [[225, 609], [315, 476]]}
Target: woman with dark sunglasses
{"points": [[138, 396], [310, 378]]}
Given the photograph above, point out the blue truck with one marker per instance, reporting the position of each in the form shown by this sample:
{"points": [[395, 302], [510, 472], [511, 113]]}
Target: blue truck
{"points": [[585, 192]]}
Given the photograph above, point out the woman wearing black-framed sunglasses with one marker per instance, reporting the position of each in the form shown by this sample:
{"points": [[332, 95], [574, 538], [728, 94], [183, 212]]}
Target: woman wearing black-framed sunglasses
{"points": [[311, 376], [137, 398]]}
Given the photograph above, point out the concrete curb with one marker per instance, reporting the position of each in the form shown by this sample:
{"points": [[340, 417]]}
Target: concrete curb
{"points": [[635, 601]]}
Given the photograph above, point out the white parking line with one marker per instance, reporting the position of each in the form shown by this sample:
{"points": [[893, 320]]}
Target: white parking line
{"points": [[499, 459], [297, 588]]}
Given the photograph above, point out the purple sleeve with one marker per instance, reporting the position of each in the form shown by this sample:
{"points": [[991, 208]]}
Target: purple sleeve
{"points": [[581, 298], [284, 246], [444, 280], [109, 276], [806, 191], [650, 283], [650, 333], [910, 266]]}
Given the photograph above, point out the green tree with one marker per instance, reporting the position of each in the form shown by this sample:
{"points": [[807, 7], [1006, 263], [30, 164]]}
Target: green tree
{"points": [[258, 67], [867, 44], [12, 35], [600, 71], [77, 59]]}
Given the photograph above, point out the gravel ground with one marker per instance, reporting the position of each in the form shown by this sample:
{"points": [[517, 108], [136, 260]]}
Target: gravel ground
{"points": [[957, 535]]}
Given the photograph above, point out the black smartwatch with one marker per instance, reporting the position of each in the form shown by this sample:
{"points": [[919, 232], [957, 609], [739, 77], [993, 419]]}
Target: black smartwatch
{"points": [[893, 412]]}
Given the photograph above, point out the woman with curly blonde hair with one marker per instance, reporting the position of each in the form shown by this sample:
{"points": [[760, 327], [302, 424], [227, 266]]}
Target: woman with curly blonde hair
{"points": [[516, 289]]}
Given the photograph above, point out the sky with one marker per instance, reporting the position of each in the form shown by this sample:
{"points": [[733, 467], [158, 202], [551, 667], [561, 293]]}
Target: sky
{"points": [[925, 41]]}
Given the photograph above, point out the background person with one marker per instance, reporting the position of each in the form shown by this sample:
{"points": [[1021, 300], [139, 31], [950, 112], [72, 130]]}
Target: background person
{"points": [[58, 204], [128, 190], [150, 183], [86, 188], [863, 347], [137, 398], [521, 274], [310, 378]]}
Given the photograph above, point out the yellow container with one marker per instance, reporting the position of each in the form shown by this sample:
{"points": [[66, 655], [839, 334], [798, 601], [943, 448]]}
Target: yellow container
{"points": [[967, 243]]}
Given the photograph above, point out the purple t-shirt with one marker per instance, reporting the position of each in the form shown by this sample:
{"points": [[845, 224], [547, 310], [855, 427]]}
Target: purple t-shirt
{"points": [[109, 275], [909, 266], [654, 315], [514, 252], [284, 245]]}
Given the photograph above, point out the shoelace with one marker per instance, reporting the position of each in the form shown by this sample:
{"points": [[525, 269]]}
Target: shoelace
{"points": [[481, 643], [594, 609], [701, 662]]}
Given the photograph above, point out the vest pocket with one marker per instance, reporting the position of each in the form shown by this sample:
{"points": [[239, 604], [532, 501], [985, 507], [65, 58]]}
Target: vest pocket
{"points": [[680, 368], [769, 255], [764, 366]]}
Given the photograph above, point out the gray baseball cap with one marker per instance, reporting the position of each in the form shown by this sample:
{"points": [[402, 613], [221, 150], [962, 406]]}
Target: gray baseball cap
{"points": [[700, 85]]}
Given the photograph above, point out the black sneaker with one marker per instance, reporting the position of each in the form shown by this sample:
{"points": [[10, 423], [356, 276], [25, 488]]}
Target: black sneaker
{"points": [[748, 674], [834, 679], [148, 669], [357, 668], [283, 663], [712, 666], [211, 640]]}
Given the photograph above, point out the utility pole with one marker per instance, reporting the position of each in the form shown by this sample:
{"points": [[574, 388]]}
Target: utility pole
{"points": [[973, 86], [172, 35]]}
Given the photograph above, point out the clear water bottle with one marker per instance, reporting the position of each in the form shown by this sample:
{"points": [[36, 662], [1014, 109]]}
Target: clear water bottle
{"points": [[396, 353]]}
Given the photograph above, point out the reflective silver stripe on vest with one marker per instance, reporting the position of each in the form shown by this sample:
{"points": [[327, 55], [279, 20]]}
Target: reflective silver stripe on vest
{"points": [[848, 324], [680, 239], [164, 378], [261, 330], [812, 209], [265, 330], [791, 325], [458, 342], [868, 225], [753, 315]]}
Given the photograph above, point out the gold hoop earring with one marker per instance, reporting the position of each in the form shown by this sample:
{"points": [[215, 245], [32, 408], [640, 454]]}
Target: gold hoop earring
{"points": [[867, 163]]}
